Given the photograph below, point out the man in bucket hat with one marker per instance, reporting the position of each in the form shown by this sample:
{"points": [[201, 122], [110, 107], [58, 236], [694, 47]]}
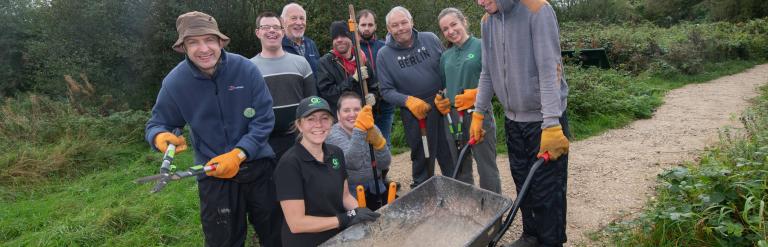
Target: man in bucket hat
{"points": [[224, 100]]}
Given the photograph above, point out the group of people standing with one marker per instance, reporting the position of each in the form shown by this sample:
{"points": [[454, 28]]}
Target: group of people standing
{"points": [[291, 134]]}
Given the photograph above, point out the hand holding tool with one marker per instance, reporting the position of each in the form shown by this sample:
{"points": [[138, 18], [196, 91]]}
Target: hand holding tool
{"points": [[418, 107], [163, 139], [476, 130], [465, 100], [168, 142], [376, 139], [364, 72], [229, 164], [443, 104], [554, 142], [364, 120], [370, 99]]}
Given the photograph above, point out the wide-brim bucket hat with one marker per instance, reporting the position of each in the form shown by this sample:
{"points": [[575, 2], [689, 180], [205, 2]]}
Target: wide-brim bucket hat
{"points": [[195, 24]]}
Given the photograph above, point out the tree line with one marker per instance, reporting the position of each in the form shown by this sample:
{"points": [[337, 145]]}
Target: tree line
{"points": [[121, 48]]}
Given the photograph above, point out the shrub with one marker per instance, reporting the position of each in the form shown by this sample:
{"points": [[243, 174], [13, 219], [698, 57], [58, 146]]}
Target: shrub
{"points": [[43, 138]]}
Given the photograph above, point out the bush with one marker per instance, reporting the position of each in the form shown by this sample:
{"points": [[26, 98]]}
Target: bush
{"points": [[685, 47], [42, 138]]}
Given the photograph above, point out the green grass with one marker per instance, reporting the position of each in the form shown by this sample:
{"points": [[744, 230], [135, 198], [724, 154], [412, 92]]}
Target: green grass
{"points": [[105, 208], [719, 201]]}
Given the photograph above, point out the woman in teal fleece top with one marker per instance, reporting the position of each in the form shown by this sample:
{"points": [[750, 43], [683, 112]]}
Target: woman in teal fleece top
{"points": [[461, 67]]}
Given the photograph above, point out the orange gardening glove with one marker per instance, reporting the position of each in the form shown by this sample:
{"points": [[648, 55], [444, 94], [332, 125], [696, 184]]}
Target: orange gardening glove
{"points": [[364, 120], [376, 139], [418, 107], [162, 140], [476, 130], [229, 164], [465, 100], [553, 141], [443, 104]]}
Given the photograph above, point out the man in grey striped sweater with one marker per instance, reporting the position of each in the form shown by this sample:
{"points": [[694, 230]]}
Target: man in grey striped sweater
{"points": [[288, 77]]}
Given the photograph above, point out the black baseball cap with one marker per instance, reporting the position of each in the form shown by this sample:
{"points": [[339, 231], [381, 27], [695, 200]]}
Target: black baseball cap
{"points": [[310, 105]]}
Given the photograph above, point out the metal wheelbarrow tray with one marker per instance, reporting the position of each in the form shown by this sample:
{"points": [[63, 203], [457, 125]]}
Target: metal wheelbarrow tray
{"points": [[440, 212]]}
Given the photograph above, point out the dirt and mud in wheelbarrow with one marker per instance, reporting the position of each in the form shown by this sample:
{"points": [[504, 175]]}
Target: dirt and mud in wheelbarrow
{"points": [[441, 211]]}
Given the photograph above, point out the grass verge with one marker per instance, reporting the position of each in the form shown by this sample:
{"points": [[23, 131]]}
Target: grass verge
{"points": [[720, 201]]}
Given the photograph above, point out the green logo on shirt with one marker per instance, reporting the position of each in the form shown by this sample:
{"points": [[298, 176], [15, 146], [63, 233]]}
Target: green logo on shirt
{"points": [[470, 56], [335, 163], [249, 112]]}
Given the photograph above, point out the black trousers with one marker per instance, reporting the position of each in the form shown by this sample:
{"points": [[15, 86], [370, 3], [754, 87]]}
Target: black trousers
{"points": [[439, 146], [225, 204], [544, 207]]}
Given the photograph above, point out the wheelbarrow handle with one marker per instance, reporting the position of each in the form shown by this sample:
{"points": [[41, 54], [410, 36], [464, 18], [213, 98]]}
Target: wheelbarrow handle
{"points": [[462, 153], [544, 158]]}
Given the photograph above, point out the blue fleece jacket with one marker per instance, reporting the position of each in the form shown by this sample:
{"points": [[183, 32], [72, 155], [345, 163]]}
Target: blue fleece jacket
{"points": [[231, 109], [310, 52]]}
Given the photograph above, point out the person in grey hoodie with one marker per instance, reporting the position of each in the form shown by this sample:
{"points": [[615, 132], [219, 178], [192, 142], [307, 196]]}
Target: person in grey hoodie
{"points": [[522, 66], [410, 77], [352, 133]]}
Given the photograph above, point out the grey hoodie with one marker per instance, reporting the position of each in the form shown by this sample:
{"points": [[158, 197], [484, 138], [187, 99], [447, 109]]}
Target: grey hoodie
{"points": [[410, 71], [522, 63]]}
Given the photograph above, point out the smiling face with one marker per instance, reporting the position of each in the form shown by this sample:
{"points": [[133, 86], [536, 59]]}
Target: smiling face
{"points": [[401, 28], [454, 30], [295, 22], [342, 44], [315, 127], [270, 33], [489, 6], [347, 113], [204, 51]]}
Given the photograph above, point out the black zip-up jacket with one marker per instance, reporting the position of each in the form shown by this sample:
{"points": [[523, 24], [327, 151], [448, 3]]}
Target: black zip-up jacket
{"points": [[332, 81]]}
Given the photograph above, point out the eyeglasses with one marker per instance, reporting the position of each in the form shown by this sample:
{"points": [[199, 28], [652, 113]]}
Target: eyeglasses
{"points": [[268, 27]]}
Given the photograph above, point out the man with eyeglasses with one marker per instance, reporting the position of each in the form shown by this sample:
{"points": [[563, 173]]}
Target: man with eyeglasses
{"points": [[295, 19], [288, 77]]}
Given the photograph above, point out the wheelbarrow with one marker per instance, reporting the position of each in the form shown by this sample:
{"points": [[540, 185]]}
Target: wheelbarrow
{"points": [[440, 212]]}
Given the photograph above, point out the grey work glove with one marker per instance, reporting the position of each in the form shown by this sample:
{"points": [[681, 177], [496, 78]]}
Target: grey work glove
{"points": [[370, 99]]}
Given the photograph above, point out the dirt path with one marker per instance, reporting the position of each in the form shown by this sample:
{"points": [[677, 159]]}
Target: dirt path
{"points": [[612, 175]]}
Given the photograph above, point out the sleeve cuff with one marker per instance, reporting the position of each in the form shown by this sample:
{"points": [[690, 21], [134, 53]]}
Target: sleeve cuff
{"points": [[550, 122]]}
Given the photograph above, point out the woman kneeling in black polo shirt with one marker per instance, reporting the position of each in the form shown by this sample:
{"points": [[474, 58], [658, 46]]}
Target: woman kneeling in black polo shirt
{"points": [[311, 180]]}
